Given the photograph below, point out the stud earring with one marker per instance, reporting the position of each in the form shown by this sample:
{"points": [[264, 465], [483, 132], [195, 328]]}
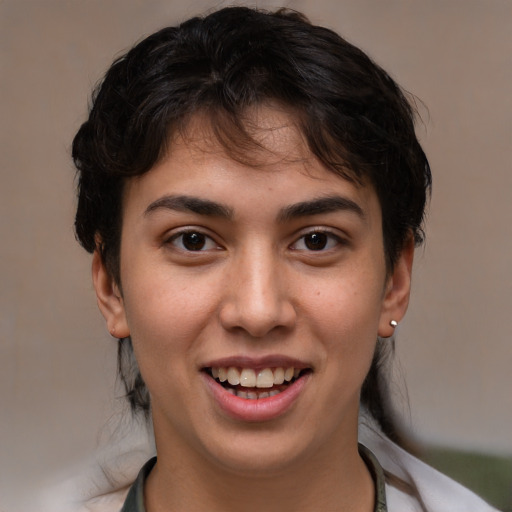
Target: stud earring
{"points": [[393, 323]]}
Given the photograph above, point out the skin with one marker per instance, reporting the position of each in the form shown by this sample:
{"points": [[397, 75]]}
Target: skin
{"points": [[255, 289]]}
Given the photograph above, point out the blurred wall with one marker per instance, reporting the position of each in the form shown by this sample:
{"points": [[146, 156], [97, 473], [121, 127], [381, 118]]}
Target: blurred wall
{"points": [[57, 363]]}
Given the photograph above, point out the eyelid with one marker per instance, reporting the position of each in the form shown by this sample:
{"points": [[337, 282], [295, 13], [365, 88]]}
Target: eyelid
{"points": [[170, 238], [331, 233]]}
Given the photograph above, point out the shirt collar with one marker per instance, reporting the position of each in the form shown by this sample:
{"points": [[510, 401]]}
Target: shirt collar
{"points": [[135, 499]]}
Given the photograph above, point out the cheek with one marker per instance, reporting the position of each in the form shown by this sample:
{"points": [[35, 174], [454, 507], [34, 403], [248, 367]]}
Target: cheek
{"points": [[345, 317], [165, 317], [348, 307]]}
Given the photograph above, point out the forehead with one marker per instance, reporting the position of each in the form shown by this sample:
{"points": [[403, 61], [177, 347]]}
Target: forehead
{"points": [[271, 154], [260, 137]]}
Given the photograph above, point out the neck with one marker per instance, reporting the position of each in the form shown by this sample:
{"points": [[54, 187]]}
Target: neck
{"points": [[333, 480]]}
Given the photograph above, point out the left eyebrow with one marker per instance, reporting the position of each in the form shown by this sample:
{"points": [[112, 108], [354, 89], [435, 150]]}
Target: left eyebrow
{"points": [[318, 206]]}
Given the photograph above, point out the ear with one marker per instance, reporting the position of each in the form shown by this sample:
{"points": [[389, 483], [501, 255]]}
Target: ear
{"points": [[397, 292], [110, 300]]}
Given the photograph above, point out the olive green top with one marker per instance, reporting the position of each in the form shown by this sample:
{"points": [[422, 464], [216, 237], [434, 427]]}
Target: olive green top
{"points": [[135, 499]]}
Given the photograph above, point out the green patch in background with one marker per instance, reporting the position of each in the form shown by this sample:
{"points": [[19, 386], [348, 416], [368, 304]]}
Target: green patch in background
{"points": [[488, 476]]}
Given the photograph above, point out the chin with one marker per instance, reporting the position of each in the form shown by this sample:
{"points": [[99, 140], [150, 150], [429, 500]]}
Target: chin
{"points": [[260, 454]]}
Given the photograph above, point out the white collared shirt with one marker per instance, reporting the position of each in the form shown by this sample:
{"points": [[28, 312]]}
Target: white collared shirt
{"points": [[411, 485]]}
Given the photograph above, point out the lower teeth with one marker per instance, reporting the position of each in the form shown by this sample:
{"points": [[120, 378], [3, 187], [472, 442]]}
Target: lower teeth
{"points": [[252, 395]]}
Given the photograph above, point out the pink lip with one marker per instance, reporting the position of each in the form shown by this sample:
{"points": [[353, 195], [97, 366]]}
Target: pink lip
{"points": [[274, 361], [264, 409]]}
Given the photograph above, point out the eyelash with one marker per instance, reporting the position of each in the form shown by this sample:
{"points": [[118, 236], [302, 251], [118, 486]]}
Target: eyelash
{"points": [[326, 240], [331, 239], [205, 239]]}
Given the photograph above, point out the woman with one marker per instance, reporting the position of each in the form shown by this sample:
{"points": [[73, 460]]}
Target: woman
{"points": [[252, 190]]}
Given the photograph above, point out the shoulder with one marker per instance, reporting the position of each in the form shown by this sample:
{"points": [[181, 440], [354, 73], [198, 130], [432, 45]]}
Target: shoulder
{"points": [[102, 481], [111, 502], [80, 496], [414, 486]]}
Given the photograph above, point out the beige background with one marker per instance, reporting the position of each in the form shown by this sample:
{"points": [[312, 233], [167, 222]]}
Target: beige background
{"points": [[57, 370]]}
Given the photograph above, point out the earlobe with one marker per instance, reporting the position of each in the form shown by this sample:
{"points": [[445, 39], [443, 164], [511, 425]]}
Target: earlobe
{"points": [[110, 300], [398, 288]]}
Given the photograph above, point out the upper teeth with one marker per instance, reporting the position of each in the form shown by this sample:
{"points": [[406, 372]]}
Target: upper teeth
{"points": [[249, 378]]}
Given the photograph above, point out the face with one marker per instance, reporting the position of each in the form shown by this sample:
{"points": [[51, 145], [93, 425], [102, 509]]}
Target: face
{"points": [[254, 297]]}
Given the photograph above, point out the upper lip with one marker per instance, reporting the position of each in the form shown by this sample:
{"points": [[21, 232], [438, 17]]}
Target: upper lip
{"points": [[257, 363]]}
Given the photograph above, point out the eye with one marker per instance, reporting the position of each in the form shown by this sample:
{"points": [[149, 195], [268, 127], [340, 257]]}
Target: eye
{"points": [[192, 241], [316, 241]]}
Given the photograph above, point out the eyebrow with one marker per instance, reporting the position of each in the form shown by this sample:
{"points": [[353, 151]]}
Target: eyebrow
{"points": [[321, 205], [197, 205], [183, 203]]}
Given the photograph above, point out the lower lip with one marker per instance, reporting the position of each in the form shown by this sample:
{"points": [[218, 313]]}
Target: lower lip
{"points": [[263, 409]]}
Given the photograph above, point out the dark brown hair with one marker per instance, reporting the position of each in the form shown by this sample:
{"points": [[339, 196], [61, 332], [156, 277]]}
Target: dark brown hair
{"points": [[355, 119]]}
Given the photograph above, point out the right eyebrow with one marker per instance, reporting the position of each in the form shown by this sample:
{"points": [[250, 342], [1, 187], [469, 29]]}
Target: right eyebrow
{"points": [[184, 203]]}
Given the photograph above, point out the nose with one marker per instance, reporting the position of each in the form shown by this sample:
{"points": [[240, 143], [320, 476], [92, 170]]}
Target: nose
{"points": [[257, 297]]}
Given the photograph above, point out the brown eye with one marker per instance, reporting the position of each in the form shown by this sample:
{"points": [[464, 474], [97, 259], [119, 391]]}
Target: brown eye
{"points": [[193, 241], [316, 241]]}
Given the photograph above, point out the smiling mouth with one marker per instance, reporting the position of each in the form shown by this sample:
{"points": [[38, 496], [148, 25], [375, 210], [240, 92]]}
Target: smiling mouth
{"points": [[256, 384]]}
